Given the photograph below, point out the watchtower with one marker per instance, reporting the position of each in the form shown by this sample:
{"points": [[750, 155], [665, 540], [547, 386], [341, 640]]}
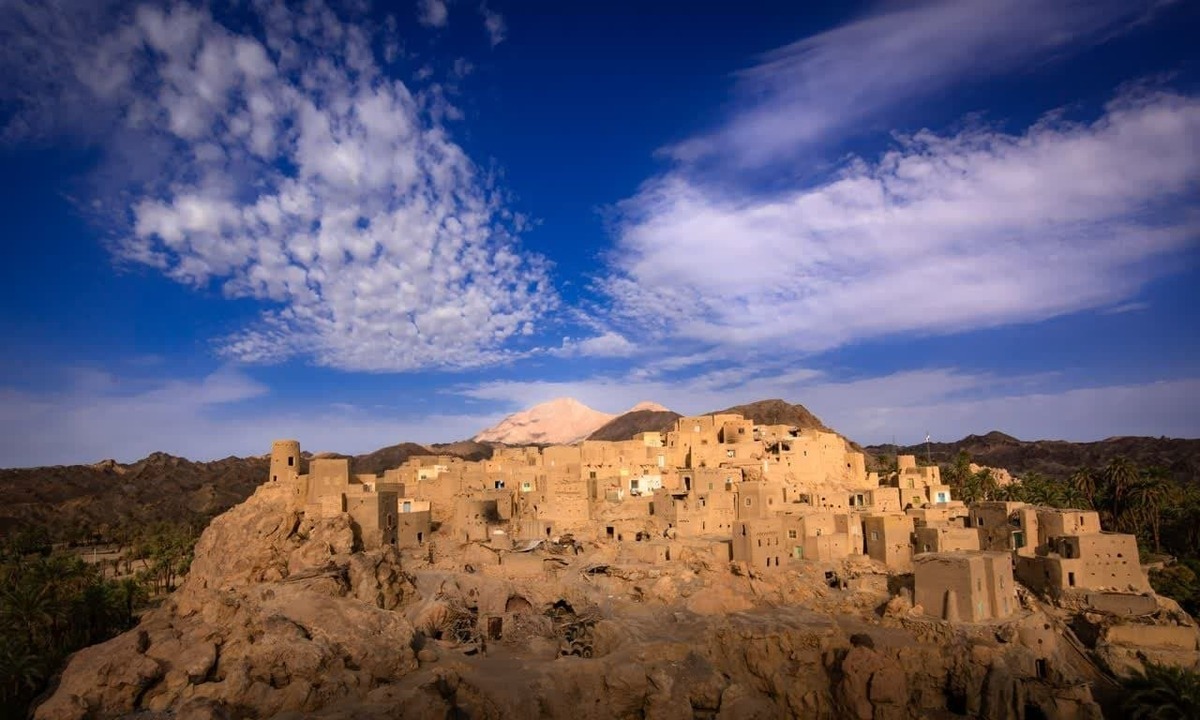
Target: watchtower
{"points": [[285, 460]]}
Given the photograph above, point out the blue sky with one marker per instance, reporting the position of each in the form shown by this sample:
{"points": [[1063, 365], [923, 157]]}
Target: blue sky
{"points": [[358, 224]]}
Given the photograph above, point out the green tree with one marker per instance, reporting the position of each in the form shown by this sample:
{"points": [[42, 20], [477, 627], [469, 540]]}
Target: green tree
{"points": [[1146, 499], [1119, 475], [1162, 692], [1084, 482]]}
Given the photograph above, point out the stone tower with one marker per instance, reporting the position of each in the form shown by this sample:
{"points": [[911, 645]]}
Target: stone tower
{"points": [[285, 461]]}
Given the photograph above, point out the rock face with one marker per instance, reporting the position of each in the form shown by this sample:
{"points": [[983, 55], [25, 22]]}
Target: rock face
{"points": [[283, 616], [560, 421], [278, 613]]}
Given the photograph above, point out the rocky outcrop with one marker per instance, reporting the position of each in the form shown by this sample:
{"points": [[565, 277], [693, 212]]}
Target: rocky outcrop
{"points": [[282, 616], [278, 613]]}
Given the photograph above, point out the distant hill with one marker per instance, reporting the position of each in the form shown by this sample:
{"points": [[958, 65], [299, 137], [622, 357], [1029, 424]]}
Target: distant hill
{"points": [[1059, 458], [624, 427], [776, 412], [74, 500], [387, 458], [77, 499], [558, 421]]}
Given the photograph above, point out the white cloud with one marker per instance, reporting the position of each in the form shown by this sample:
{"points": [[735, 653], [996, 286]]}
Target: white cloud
{"points": [[606, 344], [947, 403], [824, 86], [493, 22], [942, 233], [99, 415], [295, 173], [433, 13]]}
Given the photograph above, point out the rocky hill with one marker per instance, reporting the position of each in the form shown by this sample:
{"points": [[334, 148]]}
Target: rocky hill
{"points": [[286, 616], [624, 427], [74, 502], [776, 412], [558, 421], [1059, 458]]}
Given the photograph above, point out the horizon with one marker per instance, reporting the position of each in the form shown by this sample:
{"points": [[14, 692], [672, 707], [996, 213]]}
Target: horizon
{"points": [[360, 224], [434, 445]]}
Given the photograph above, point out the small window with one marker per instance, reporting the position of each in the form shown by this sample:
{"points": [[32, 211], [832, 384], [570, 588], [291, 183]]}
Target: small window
{"points": [[1071, 579], [748, 502], [791, 534]]}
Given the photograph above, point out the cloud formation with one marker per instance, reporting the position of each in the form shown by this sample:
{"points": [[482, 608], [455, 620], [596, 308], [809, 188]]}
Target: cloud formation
{"points": [[292, 171], [826, 86], [433, 13], [943, 232], [493, 22]]}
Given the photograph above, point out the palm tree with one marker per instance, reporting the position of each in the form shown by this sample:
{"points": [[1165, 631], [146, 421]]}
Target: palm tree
{"points": [[1147, 497], [1119, 475], [1083, 481], [1162, 692]]}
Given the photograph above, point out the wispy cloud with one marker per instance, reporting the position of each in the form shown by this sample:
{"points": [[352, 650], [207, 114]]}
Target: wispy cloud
{"points": [[291, 170], [493, 22], [433, 13], [941, 233], [830, 85]]}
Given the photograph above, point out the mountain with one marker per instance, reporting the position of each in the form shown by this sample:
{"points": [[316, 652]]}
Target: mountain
{"points": [[776, 412], [76, 500], [559, 421], [1059, 458], [624, 427], [387, 458]]}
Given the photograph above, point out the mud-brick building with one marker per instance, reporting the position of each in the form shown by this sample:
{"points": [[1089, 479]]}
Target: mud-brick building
{"points": [[757, 543], [965, 586]]}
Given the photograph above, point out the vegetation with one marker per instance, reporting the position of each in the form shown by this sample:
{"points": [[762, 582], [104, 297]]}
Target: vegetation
{"points": [[53, 603], [1162, 692], [1163, 513]]}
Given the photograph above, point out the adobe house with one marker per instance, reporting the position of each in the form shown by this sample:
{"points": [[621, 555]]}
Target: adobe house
{"points": [[1095, 561], [997, 525], [414, 522], [472, 518], [695, 514], [888, 539], [329, 489], [757, 543], [938, 538], [822, 535], [965, 586]]}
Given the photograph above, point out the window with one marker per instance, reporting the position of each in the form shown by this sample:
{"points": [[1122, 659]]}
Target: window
{"points": [[729, 453], [291, 461], [874, 535], [791, 534], [1071, 579], [741, 431], [748, 502], [592, 475]]}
